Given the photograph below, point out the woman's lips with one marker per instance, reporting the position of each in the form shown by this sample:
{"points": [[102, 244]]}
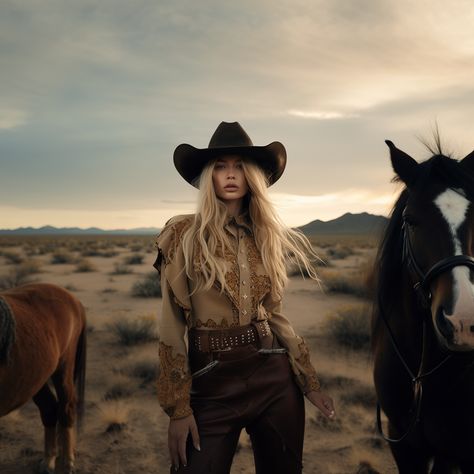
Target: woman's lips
{"points": [[231, 187]]}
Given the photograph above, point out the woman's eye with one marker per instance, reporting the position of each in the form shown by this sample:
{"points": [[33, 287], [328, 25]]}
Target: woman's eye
{"points": [[219, 166], [239, 166]]}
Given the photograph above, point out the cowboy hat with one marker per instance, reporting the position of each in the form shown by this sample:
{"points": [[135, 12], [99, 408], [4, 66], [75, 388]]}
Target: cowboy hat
{"points": [[229, 139]]}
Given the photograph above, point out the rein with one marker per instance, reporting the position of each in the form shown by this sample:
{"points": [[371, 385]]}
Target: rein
{"points": [[422, 289]]}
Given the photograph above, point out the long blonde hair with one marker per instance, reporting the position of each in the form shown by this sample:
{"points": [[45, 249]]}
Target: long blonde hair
{"points": [[276, 242]]}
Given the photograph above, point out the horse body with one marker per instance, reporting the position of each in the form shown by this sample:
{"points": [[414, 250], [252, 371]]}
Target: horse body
{"points": [[431, 418], [48, 351]]}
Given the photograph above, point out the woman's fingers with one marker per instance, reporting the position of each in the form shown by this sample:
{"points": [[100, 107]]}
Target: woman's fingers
{"points": [[182, 449], [323, 402], [195, 435], [173, 448]]}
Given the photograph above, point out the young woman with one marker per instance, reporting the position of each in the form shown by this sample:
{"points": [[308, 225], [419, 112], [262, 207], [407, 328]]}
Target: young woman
{"points": [[229, 357]]}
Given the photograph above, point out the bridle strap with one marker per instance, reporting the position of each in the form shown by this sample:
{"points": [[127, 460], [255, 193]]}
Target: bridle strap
{"points": [[445, 265]]}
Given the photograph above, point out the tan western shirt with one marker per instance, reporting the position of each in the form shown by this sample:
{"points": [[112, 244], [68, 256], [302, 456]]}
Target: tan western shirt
{"points": [[247, 296]]}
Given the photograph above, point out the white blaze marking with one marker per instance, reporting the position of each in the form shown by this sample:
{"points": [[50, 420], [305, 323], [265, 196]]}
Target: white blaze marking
{"points": [[453, 207]]}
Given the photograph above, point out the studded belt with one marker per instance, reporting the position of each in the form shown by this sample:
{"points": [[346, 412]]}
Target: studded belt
{"points": [[226, 339]]}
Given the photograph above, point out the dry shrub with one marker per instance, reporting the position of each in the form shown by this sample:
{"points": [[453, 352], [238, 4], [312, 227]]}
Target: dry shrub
{"points": [[62, 256], [120, 388], [114, 414], [135, 259], [339, 252], [342, 281], [131, 332], [121, 269], [146, 370], [15, 277], [30, 266], [84, 266], [148, 286], [349, 327], [12, 257]]}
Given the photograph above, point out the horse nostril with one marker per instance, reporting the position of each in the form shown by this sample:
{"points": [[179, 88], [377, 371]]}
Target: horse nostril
{"points": [[472, 328], [445, 326]]}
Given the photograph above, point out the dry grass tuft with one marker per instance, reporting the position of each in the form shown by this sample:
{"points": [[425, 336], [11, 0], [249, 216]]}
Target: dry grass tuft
{"points": [[12, 257], [146, 370], [84, 266], [135, 259], [148, 286], [342, 281], [130, 332], [121, 269], [114, 415], [17, 276], [349, 327], [62, 256]]}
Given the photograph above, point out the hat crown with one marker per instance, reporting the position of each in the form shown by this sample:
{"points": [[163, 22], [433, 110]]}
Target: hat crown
{"points": [[230, 134]]}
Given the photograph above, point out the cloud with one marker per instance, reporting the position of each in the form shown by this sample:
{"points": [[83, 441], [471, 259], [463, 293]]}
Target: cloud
{"points": [[11, 118], [320, 115], [100, 93]]}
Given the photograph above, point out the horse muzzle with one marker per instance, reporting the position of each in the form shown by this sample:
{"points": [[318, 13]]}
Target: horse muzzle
{"points": [[456, 332]]}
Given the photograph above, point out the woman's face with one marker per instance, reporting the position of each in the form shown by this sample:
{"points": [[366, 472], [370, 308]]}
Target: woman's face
{"points": [[229, 178]]}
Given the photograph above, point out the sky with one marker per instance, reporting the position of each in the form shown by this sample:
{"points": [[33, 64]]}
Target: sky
{"points": [[96, 95]]}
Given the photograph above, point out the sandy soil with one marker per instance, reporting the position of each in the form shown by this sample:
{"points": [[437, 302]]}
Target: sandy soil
{"points": [[138, 444]]}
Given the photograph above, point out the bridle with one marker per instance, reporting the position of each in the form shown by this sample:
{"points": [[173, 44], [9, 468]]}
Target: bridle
{"points": [[422, 289]]}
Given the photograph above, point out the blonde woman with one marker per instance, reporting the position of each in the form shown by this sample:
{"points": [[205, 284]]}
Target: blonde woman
{"points": [[229, 358]]}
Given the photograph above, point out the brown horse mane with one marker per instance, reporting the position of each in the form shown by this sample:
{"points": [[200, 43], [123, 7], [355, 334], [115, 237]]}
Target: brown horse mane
{"points": [[7, 330]]}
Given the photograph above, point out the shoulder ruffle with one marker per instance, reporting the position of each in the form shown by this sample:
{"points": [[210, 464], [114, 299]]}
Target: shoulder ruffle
{"points": [[169, 238]]}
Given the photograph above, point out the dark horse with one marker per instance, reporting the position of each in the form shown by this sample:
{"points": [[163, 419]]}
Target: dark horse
{"points": [[43, 340], [423, 322]]}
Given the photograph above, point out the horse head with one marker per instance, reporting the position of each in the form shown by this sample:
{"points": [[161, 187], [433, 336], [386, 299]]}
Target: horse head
{"points": [[438, 241]]}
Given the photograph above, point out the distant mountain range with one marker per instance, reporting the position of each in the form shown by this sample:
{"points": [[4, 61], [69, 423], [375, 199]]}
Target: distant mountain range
{"points": [[50, 230], [363, 223]]}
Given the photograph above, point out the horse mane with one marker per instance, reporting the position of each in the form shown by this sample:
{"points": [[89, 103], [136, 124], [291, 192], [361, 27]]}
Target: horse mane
{"points": [[7, 330]]}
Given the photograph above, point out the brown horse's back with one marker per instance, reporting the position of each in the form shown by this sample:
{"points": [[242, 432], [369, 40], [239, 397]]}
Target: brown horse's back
{"points": [[49, 322]]}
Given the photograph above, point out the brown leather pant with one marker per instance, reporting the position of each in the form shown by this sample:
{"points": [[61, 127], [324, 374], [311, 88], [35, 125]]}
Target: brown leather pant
{"points": [[252, 390]]}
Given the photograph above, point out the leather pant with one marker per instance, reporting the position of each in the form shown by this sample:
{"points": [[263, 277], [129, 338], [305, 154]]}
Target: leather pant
{"points": [[250, 389]]}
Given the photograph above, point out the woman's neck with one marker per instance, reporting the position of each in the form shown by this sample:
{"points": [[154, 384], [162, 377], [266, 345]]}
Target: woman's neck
{"points": [[234, 207]]}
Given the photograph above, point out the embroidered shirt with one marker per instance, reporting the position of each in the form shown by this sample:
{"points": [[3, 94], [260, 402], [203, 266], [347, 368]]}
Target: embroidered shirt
{"points": [[247, 296]]}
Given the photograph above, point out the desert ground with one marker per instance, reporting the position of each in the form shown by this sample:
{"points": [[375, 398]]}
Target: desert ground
{"points": [[125, 430]]}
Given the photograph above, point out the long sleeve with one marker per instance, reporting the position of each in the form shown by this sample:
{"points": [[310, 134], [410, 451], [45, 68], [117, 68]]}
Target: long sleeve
{"points": [[174, 382], [298, 352]]}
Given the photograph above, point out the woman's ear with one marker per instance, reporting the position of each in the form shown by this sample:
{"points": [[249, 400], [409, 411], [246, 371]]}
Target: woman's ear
{"points": [[404, 165]]}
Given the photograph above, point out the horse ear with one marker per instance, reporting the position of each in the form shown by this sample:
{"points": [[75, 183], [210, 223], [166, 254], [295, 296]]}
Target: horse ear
{"points": [[404, 165], [468, 161]]}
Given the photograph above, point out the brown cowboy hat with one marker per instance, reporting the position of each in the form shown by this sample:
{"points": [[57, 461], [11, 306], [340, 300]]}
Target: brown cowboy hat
{"points": [[229, 139]]}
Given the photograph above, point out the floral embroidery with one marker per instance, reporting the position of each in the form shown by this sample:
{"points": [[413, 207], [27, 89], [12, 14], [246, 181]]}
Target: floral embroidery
{"points": [[210, 323], [174, 382], [311, 379]]}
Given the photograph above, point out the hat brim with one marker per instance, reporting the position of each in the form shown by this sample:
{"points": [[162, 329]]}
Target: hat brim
{"points": [[190, 161]]}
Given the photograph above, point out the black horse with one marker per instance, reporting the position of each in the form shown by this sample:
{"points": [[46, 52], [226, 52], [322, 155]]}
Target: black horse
{"points": [[423, 322]]}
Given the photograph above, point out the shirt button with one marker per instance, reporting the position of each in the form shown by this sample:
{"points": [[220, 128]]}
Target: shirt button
{"points": [[243, 282], [243, 266]]}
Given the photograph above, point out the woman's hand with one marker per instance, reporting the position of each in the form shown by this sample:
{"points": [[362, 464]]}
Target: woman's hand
{"points": [[323, 402], [178, 432]]}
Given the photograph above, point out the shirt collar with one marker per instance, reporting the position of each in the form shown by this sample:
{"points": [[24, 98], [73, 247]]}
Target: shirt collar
{"points": [[242, 220]]}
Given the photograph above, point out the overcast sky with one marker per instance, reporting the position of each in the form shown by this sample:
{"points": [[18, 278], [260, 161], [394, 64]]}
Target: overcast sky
{"points": [[95, 96]]}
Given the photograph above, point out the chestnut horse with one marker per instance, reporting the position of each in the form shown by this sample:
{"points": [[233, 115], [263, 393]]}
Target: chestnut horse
{"points": [[423, 321], [43, 344]]}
